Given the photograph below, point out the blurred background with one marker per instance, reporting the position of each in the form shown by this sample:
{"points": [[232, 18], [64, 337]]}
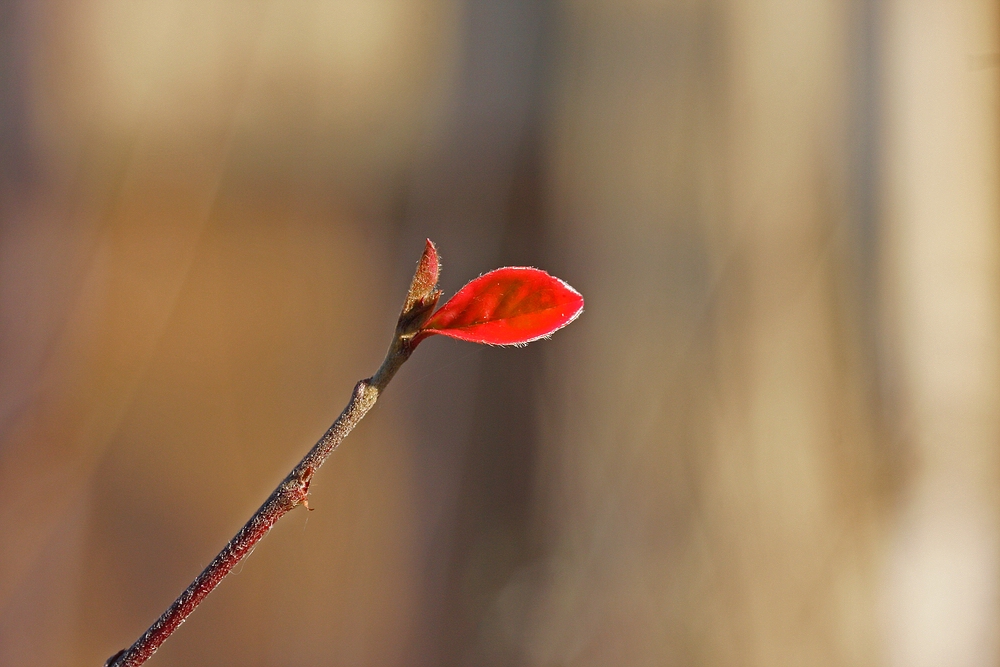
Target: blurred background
{"points": [[771, 439]]}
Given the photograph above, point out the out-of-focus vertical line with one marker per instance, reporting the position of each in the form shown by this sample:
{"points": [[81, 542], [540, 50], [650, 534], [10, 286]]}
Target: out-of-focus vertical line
{"points": [[865, 131], [941, 198], [789, 483], [461, 195], [635, 176], [16, 158]]}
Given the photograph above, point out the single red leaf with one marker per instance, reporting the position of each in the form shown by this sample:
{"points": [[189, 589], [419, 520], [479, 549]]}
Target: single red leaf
{"points": [[510, 306]]}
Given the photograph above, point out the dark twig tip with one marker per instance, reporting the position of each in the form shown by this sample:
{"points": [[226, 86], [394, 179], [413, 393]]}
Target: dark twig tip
{"points": [[111, 661]]}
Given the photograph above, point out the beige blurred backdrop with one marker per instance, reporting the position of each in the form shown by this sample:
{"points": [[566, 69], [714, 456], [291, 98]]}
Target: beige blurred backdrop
{"points": [[771, 439]]}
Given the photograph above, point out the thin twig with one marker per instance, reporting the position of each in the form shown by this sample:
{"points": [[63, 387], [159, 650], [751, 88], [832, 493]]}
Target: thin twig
{"points": [[294, 489]]}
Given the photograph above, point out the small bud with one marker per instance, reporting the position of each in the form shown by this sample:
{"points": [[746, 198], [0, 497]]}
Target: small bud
{"points": [[425, 279], [423, 295]]}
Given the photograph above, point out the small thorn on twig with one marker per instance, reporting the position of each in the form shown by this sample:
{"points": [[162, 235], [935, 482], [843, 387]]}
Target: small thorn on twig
{"points": [[305, 503]]}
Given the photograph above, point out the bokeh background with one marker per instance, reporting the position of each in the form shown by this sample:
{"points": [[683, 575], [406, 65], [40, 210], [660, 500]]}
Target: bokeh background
{"points": [[771, 439]]}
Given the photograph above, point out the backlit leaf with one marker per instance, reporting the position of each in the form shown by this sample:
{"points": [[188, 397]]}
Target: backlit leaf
{"points": [[509, 306]]}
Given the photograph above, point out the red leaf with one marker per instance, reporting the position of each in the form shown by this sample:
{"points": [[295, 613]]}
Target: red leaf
{"points": [[510, 306]]}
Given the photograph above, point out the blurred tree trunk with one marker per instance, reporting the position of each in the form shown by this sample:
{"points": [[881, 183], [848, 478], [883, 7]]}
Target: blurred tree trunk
{"points": [[711, 491], [942, 165], [480, 196]]}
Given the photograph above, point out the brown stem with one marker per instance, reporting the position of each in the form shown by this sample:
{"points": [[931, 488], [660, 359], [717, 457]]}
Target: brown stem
{"points": [[294, 489]]}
